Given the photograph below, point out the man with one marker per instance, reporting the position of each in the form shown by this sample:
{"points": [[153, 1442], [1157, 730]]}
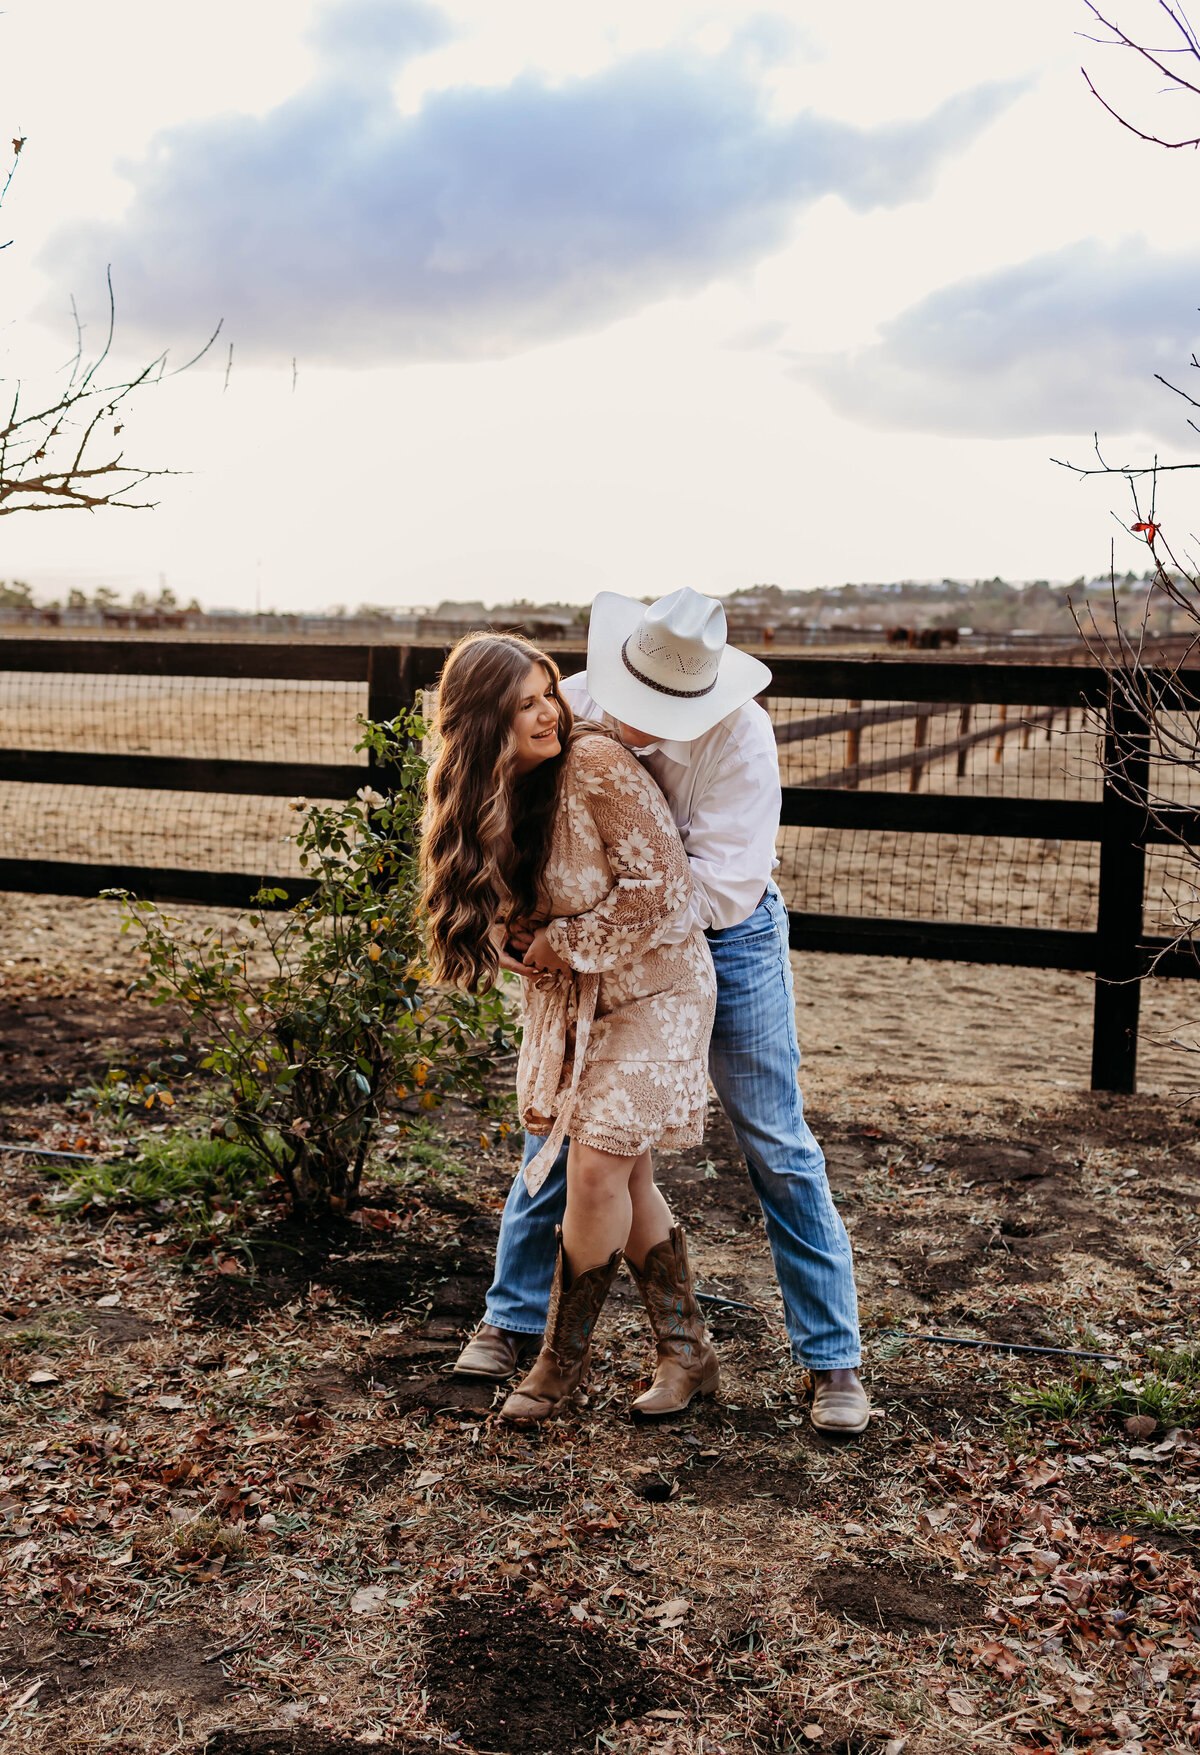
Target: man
{"points": [[683, 701]]}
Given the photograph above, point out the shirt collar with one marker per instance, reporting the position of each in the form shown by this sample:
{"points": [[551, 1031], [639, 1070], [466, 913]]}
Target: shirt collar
{"points": [[669, 746]]}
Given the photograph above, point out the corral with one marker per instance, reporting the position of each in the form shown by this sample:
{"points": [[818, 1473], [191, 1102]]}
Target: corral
{"points": [[963, 811]]}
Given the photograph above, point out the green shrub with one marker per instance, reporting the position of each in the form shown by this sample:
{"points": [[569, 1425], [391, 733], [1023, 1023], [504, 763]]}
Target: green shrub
{"points": [[310, 1052]]}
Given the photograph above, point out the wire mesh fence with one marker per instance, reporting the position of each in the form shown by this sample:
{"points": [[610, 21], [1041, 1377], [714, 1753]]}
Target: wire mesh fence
{"points": [[198, 717], [973, 822], [950, 749]]}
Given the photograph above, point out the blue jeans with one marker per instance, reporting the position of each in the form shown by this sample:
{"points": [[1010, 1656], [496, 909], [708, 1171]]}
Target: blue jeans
{"points": [[754, 1063]]}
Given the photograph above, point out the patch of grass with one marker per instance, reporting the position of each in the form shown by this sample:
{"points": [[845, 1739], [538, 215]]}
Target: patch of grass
{"points": [[1171, 1515], [1180, 1364], [1089, 1394], [205, 1537], [192, 1181]]}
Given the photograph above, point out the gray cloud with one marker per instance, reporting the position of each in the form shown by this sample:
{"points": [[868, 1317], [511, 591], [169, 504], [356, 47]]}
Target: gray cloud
{"points": [[1066, 342], [492, 219]]}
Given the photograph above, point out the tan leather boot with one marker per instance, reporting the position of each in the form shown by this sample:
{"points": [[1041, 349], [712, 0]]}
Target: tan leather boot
{"points": [[840, 1404], [687, 1365], [493, 1353], [560, 1369]]}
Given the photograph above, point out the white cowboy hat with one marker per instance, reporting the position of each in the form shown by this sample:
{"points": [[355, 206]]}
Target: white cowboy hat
{"points": [[665, 669]]}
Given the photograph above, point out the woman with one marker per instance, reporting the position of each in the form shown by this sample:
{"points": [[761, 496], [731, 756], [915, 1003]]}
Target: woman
{"points": [[533, 822]]}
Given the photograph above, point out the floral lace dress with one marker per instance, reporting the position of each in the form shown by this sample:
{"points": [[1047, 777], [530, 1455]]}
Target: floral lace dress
{"points": [[616, 1053]]}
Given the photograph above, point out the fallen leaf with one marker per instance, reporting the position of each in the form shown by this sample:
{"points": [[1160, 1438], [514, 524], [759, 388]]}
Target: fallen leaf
{"points": [[1081, 1699], [665, 1712], [368, 1599], [41, 1377], [172, 1403], [429, 1478], [957, 1701], [109, 1300], [1141, 1425], [265, 1438], [999, 1658], [813, 1731], [848, 1529], [894, 1745]]}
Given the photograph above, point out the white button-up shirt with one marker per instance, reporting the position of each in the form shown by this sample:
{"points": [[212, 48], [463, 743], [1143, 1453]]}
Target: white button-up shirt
{"points": [[723, 791]]}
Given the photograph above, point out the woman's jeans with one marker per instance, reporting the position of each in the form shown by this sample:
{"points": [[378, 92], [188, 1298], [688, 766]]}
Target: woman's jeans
{"points": [[754, 1063]]}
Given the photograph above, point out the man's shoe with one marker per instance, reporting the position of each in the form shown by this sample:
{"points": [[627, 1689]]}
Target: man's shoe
{"points": [[492, 1352], [840, 1405], [687, 1365]]}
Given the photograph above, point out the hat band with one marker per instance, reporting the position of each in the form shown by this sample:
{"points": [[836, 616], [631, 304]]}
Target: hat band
{"points": [[661, 688]]}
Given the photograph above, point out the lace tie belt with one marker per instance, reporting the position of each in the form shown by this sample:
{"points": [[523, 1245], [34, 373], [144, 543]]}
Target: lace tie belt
{"points": [[584, 990]]}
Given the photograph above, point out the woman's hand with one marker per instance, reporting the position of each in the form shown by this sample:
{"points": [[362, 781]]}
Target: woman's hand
{"points": [[504, 952], [542, 955]]}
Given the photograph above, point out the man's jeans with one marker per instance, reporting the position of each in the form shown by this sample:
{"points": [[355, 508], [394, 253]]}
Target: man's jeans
{"points": [[754, 1062]]}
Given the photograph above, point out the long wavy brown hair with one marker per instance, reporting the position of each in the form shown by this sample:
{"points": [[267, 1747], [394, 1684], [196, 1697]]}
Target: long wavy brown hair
{"points": [[487, 829]]}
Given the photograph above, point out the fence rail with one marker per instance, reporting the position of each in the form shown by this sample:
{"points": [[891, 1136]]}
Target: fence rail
{"points": [[880, 691]]}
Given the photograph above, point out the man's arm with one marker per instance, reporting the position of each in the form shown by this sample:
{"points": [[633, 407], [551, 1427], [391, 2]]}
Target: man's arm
{"points": [[730, 839]]}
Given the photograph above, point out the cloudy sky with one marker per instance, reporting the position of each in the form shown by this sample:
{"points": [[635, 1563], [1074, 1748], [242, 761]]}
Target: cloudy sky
{"points": [[623, 296]]}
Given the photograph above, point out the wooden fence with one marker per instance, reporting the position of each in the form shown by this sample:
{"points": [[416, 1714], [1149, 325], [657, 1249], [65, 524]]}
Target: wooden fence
{"points": [[880, 690]]}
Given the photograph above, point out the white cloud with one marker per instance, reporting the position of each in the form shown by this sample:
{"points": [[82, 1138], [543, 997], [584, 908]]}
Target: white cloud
{"points": [[1068, 341], [491, 219]]}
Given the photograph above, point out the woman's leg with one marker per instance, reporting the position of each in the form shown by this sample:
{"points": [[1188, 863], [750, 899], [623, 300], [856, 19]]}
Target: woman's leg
{"points": [[657, 1256], [599, 1207], [594, 1232], [652, 1219]]}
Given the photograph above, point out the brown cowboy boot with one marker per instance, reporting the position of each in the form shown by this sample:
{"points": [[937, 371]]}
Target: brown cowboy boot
{"points": [[493, 1353], [687, 1365], [560, 1369]]}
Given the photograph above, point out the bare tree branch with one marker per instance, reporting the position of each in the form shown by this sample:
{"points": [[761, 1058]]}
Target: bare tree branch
{"points": [[54, 458]]}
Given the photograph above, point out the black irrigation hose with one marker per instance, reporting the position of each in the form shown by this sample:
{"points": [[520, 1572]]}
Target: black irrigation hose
{"points": [[1017, 1347], [41, 1152], [725, 1303]]}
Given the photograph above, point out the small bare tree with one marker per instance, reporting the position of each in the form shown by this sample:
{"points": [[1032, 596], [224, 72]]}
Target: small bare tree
{"points": [[61, 456], [1156, 758]]}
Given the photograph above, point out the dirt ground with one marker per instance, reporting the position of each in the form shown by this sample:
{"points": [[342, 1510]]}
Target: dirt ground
{"points": [[247, 1509]]}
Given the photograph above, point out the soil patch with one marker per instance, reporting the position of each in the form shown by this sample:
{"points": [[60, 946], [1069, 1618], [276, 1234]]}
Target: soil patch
{"points": [[998, 1160], [510, 1679], [289, 1263], [171, 1663], [449, 1395], [729, 1483], [52, 1046], [289, 1741], [375, 1466], [938, 1411], [109, 1328], [886, 1596]]}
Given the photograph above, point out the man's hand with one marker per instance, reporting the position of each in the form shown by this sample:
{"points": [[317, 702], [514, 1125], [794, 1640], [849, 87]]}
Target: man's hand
{"points": [[542, 956], [519, 939], [509, 962]]}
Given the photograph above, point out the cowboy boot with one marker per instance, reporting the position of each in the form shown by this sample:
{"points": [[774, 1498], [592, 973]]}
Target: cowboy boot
{"points": [[493, 1353], [687, 1365], [560, 1369]]}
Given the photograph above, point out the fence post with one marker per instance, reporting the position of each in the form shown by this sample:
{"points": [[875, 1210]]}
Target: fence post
{"points": [[1119, 911], [390, 688]]}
